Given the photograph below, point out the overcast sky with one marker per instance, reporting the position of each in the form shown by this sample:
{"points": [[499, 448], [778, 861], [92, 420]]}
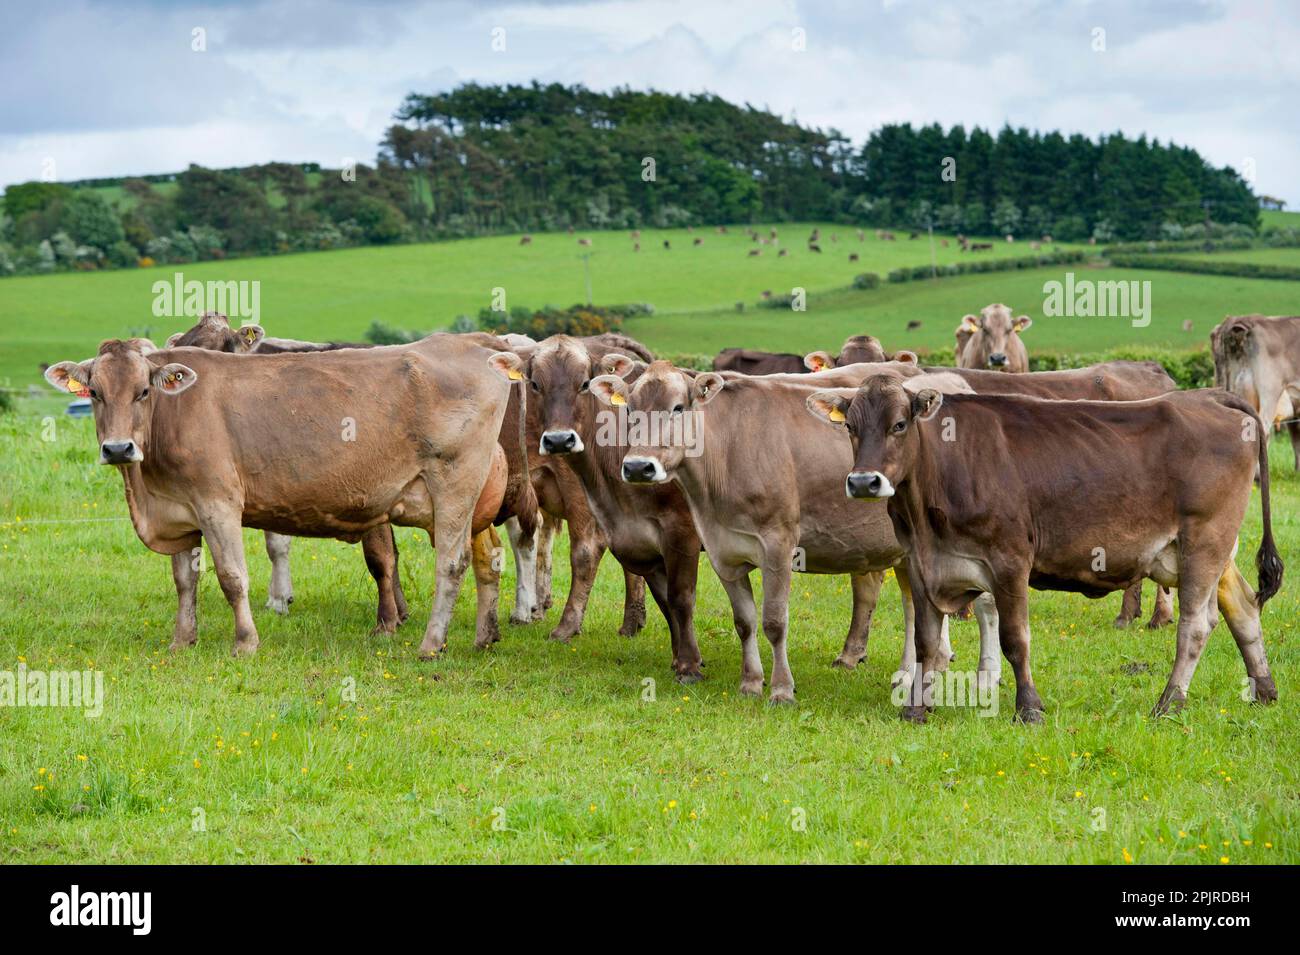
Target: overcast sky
{"points": [[113, 87]]}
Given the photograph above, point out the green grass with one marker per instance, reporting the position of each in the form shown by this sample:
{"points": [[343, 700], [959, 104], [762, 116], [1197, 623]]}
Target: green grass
{"points": [[556, 741], [1282, 256], [337, 294], [1280, 218]]}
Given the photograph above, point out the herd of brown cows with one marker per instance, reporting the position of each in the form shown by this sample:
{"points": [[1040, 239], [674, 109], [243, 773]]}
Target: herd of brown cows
{"points": [[972, 484]]}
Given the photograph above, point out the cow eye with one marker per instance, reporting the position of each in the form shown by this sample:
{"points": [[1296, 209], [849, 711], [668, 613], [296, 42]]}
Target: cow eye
{"points": [[94, 394], [678, 409], [899, 427], [535, 386], [582, 389], [142, 395]]}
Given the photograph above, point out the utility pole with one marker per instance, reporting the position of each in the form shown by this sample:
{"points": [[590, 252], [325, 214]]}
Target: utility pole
{"points": [[934, 265]]}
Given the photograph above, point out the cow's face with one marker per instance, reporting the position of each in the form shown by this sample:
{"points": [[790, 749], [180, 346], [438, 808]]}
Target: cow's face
{"points": [[559, 373], [215, 333], [994, 337], [861, 348], [122, 383], [659, 436], [880, 418]]}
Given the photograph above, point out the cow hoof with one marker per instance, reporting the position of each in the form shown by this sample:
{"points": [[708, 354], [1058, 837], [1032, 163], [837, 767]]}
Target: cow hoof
{"points": [[631, 628], [521, 619], [752, 687], [383, 627], [913, 714], [783, 696], [1265, 690], [1029, 716], [1123, 623], [244, 648], [687, 677], [279, 604], [178, 644], [562, 635], [1155, 623], [847, 661]]}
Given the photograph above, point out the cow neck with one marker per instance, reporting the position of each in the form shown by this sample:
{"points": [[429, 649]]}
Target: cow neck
{"points": [[137, 498], [700, 482], [910, 503]]}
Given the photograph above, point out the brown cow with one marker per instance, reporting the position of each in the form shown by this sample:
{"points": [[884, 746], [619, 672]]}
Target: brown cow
{"points": [[993, 340], [649, 531], [215, 333], [782, 517], [1257, 357], [208, 442], [1003, 493], [856, 348]]}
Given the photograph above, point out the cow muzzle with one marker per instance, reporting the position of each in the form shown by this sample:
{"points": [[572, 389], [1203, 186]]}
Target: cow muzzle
{"points": [[565, 441], [998, 360], [867, 485], [119, 452], [643, 471]]}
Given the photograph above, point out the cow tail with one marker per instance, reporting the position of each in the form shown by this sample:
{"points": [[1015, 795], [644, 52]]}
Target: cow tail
{"points": [[1267, 560]]}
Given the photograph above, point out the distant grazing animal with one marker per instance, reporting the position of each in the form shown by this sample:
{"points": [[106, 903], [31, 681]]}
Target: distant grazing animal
{"points": [[887, 236], [584, 242], [667, 244], [783, 252], [914, 235], [944, 243], [767, 293], [636, 246], [698, 241], [861, 235], [569, 230], [1187, 324], [1010, 237], [636, 234], [853, 256], [1034, 246], [913, 325], [835, 237], [526, 240], [773, 233], [722, 230], [1092, 240], [754, 252], [814, 247], [980, 246], [1047, 240], [992, 340]]}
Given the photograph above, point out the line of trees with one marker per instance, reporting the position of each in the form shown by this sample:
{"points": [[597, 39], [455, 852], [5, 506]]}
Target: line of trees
{"points": [[490, 159]]}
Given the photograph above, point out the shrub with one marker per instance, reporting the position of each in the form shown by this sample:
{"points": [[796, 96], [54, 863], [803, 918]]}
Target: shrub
{"points": [[1250, 270], [381, 334], [866, 280]]}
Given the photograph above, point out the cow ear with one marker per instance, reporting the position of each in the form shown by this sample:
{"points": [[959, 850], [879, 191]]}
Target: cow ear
{"points": [[507, 364], [969, 324], [609, 389], [907, 357], [1021, 323], [925, 403], [173, 378], [250, 336], [173, 339], [706, 386], [145, 346], [818, 361], [71, 376], [829, 406], [616, 364]]}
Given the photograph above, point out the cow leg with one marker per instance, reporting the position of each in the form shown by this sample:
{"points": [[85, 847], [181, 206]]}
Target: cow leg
{"points": [[1012, 601], [1236, 602], [682, 575], [545, 558], [633, 604], [927, 653], [485, 551], [380, 551], [399, 596], [525, 551], [745, 615], [990, 668], [280, 593], [1163, 613], [452, 514], [185, 575], [1294, 430], [907, 664], [1196, 617], [225, 538], [1130, 607], [866, 592], [586, 548], [776, 620]]}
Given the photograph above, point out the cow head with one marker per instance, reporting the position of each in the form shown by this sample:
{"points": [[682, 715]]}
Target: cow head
{"points": [[215, 333], [881, 419], [123, 381], [663, 398], [992, 340], [559, 373], [861, 348]]}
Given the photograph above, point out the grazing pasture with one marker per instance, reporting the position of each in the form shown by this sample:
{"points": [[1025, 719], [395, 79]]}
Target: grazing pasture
{"points": [[333, 745], [558, 742]]}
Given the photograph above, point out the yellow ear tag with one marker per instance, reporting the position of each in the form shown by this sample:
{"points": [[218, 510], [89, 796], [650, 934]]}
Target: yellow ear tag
{"points": [[617, 399], [836, 415], [75, 386], [514, 374]]}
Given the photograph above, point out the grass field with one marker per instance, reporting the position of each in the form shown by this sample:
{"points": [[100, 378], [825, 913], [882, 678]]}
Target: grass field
{"points": [[199, 757], [535, 751], [1283, 256]]}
